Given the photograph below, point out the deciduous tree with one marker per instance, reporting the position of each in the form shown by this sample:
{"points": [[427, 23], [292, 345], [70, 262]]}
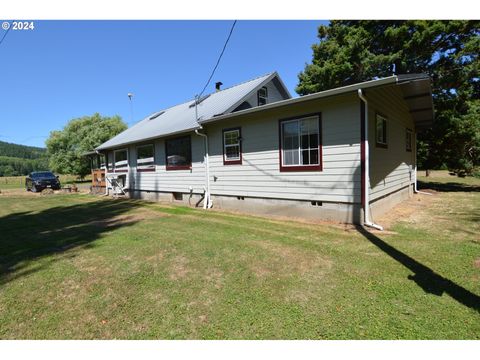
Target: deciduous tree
{"points": [[66, 148]]}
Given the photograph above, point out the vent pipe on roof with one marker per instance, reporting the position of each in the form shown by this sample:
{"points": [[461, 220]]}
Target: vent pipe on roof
{"points": [[218, 85]]}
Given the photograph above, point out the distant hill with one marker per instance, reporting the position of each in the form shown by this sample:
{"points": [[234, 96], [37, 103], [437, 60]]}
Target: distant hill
{"points": [[21, 151], [18, 159]]}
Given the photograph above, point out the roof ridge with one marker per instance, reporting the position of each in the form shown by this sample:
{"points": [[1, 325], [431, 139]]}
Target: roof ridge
{"points": [[190, 100], [246, 81]]}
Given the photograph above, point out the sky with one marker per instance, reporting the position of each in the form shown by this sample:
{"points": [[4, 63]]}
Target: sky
{"points": [[62, 70]]}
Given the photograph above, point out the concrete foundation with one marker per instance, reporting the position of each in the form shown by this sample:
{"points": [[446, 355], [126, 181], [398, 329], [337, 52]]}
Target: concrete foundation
{"points": [[337, 212], [382, 205], [295, 209]]}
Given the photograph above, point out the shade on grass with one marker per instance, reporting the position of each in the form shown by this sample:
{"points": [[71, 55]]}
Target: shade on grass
{"points": [[77, 266]]}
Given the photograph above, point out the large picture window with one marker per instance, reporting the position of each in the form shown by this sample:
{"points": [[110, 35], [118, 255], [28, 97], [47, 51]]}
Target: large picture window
{"points": [[300, 144], [145, 158], [381, 131], [179, 153], [120, 160], [232, 147]]}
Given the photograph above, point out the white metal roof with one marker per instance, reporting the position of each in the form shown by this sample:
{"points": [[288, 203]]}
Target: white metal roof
{"points": [[219, 105], [181, 118], [416, 89]]}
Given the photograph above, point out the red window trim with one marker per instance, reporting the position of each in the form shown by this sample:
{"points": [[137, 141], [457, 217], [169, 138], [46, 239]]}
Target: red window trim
{"points": [[178, 167], [377, 144], [119, 170], [145, 170], [318, 167], [136, 163], [232, 162]]}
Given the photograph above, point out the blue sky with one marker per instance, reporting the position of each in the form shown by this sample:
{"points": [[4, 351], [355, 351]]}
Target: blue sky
{"points": [[67, 69]]}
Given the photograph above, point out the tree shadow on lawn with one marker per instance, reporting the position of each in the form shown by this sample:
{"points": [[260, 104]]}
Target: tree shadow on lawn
{"points": [[27, 236], [425, 277], [447, 187]]}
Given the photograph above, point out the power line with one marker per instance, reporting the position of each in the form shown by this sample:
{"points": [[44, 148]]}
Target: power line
{"points": [[219, 58], [6, 33]]}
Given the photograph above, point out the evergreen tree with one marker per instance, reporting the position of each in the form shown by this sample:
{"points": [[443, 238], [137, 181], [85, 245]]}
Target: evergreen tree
{"points": [[354, 51]]}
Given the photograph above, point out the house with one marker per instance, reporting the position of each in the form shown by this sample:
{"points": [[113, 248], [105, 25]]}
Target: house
{"points": [[345, 154]]}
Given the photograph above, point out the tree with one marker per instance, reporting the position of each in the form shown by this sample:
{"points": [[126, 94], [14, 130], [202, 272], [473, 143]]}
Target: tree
{"points": [[66, 147], [355, 51]]}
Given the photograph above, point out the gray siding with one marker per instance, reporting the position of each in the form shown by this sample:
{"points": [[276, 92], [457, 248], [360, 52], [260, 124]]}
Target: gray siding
{"points": [[171, 180], [259, 174], [390, 168]]}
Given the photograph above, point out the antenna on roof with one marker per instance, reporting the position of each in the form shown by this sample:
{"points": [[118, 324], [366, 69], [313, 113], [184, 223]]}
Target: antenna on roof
{"points": [[130, 96]]}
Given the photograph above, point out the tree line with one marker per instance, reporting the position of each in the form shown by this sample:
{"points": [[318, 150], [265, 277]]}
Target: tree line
{"points": [[66, 148], [16, 160], [21, 151], [354, 51], [14, 166]]}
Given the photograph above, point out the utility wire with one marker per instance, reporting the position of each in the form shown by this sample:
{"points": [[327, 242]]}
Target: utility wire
{"points": [[5, 35], [219, 58]]}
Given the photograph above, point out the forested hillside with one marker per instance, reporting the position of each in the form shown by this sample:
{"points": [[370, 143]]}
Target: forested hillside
{"points": [[21, 151], [20, 159]]}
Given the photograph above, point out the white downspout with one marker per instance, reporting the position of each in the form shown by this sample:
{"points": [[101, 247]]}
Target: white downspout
{"points": [[207, 202], [415, 189], [366, 209]]}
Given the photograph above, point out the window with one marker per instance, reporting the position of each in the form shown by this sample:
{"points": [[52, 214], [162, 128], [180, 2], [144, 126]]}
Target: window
{"points": [[145, 158], [408, 140], [98, 162], [109, 157], [232, 147], [300, 148], [262, 96], [102, 160], [179, 153], [120, 161], [381, 131]]}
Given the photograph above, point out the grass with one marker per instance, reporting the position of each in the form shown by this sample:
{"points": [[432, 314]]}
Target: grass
{"points": [[82, 267], [18, 182]]}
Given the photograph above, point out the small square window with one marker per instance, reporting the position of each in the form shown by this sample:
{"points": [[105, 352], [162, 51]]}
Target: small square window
{"points": [[381, 131], [179, 153]]}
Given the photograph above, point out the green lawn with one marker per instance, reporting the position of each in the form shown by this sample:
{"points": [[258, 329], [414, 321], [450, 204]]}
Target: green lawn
{"points": [[83, 267], [18, 182]]}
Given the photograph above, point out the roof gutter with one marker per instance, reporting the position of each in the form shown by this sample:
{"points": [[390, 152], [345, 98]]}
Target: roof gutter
{"points": [[323, 94]]}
